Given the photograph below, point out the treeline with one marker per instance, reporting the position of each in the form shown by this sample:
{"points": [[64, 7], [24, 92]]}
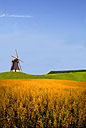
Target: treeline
{"points": [[67, 71]]}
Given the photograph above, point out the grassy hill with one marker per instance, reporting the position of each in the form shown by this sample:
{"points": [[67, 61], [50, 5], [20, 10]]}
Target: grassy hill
{"points": [[75, 76]]}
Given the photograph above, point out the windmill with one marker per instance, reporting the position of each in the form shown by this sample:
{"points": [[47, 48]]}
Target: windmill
{"points": [[15, 63]]}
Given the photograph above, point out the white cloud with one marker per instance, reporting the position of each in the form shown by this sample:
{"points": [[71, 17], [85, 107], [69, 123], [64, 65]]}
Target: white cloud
{"points": [[14, 16], [2, 15]]}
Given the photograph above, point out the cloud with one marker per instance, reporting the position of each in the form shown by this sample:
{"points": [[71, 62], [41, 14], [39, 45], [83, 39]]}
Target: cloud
{"points": [[14, 16], [2, 15]]}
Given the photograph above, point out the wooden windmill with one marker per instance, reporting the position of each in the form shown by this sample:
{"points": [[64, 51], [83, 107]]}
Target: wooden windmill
{"points": [[15, 64]]}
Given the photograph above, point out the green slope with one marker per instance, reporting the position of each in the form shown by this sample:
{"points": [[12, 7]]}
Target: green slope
{"points": [[75, 76]]}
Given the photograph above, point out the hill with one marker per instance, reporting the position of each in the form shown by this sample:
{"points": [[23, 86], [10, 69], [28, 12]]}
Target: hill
{"points": [[75, 76]]}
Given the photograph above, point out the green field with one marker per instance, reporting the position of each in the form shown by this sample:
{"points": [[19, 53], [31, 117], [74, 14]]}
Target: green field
{"points": [[75, 76]]}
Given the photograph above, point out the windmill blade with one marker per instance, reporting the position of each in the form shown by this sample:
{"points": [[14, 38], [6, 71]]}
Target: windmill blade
{"points": [[13, 56], [20, 67], [18, 59], [21, 60], [16, 53]]}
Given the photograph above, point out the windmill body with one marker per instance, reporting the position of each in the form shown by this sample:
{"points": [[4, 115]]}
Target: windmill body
{"points": [[15, 64]]}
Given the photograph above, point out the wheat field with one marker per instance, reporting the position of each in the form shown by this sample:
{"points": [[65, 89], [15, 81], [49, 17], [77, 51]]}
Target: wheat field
{"points": [[42, 103]]}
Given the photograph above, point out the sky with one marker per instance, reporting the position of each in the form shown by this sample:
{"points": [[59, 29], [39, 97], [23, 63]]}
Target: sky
{"points": [[48, 34]]}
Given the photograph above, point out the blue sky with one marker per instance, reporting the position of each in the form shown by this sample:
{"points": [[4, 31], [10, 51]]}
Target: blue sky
{"points": [[48, 34]]}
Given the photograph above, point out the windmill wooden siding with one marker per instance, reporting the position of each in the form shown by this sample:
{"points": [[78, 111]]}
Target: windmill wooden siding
{"points": [[15, 66]]}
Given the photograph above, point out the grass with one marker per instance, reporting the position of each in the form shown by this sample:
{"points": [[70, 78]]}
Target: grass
{"points": [[75, 76]]}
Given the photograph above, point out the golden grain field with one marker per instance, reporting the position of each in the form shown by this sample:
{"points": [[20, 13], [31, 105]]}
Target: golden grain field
{"points": [[40, 103]]}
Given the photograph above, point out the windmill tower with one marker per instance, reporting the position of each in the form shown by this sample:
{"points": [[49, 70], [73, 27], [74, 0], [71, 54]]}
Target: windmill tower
{"points": [[15, 64]]}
